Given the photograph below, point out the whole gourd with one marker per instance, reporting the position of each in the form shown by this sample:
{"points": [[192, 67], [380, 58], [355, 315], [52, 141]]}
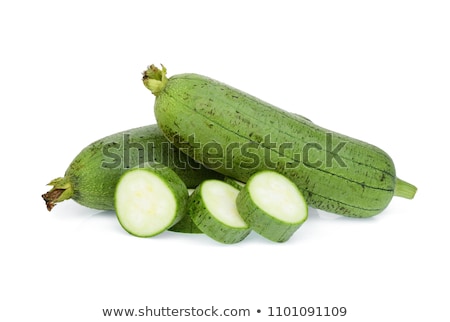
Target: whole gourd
{"points": [[92, 176], [237, 134]]}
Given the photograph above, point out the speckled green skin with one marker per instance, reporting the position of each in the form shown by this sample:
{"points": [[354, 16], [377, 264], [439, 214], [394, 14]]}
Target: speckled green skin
{"points": [[186, 226], [209, 224], [194, 111], [94, 172], [234, 183], [262, 222], [173, 182]]}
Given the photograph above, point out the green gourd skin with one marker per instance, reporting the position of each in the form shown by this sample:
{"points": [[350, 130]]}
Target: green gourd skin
{"points": [[92, 176], [186, 224], [335, 173]]}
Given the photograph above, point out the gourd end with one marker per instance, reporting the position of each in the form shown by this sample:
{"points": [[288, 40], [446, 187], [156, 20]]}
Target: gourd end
{"points": [[404, 189], [62, 190], [155, 79]]}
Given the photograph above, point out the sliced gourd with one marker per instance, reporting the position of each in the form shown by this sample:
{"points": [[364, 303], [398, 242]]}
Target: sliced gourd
{"points": [[150, 199], [212, 208], [272, 205]]}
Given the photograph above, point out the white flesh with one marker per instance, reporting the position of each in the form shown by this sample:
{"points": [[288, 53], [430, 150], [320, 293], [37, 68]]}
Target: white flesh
{"points": [[145, 205], [220, 200], [278, 196]]}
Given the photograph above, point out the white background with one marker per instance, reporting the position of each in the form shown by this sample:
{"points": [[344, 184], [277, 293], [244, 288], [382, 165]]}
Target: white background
{"points": [[70, 73]]}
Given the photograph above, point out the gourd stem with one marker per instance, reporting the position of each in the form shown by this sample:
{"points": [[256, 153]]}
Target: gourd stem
{"points": [[155, 79], [404, 189], [62, 190]]}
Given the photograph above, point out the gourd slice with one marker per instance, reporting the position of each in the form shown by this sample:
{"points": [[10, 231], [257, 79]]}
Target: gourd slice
{"points": [[150, 200], [212, 208], [272, 205]]}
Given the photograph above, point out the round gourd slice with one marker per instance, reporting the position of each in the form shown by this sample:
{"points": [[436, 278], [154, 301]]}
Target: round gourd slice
{"points": [[272, 205], [150, 200], [212, 208]]}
